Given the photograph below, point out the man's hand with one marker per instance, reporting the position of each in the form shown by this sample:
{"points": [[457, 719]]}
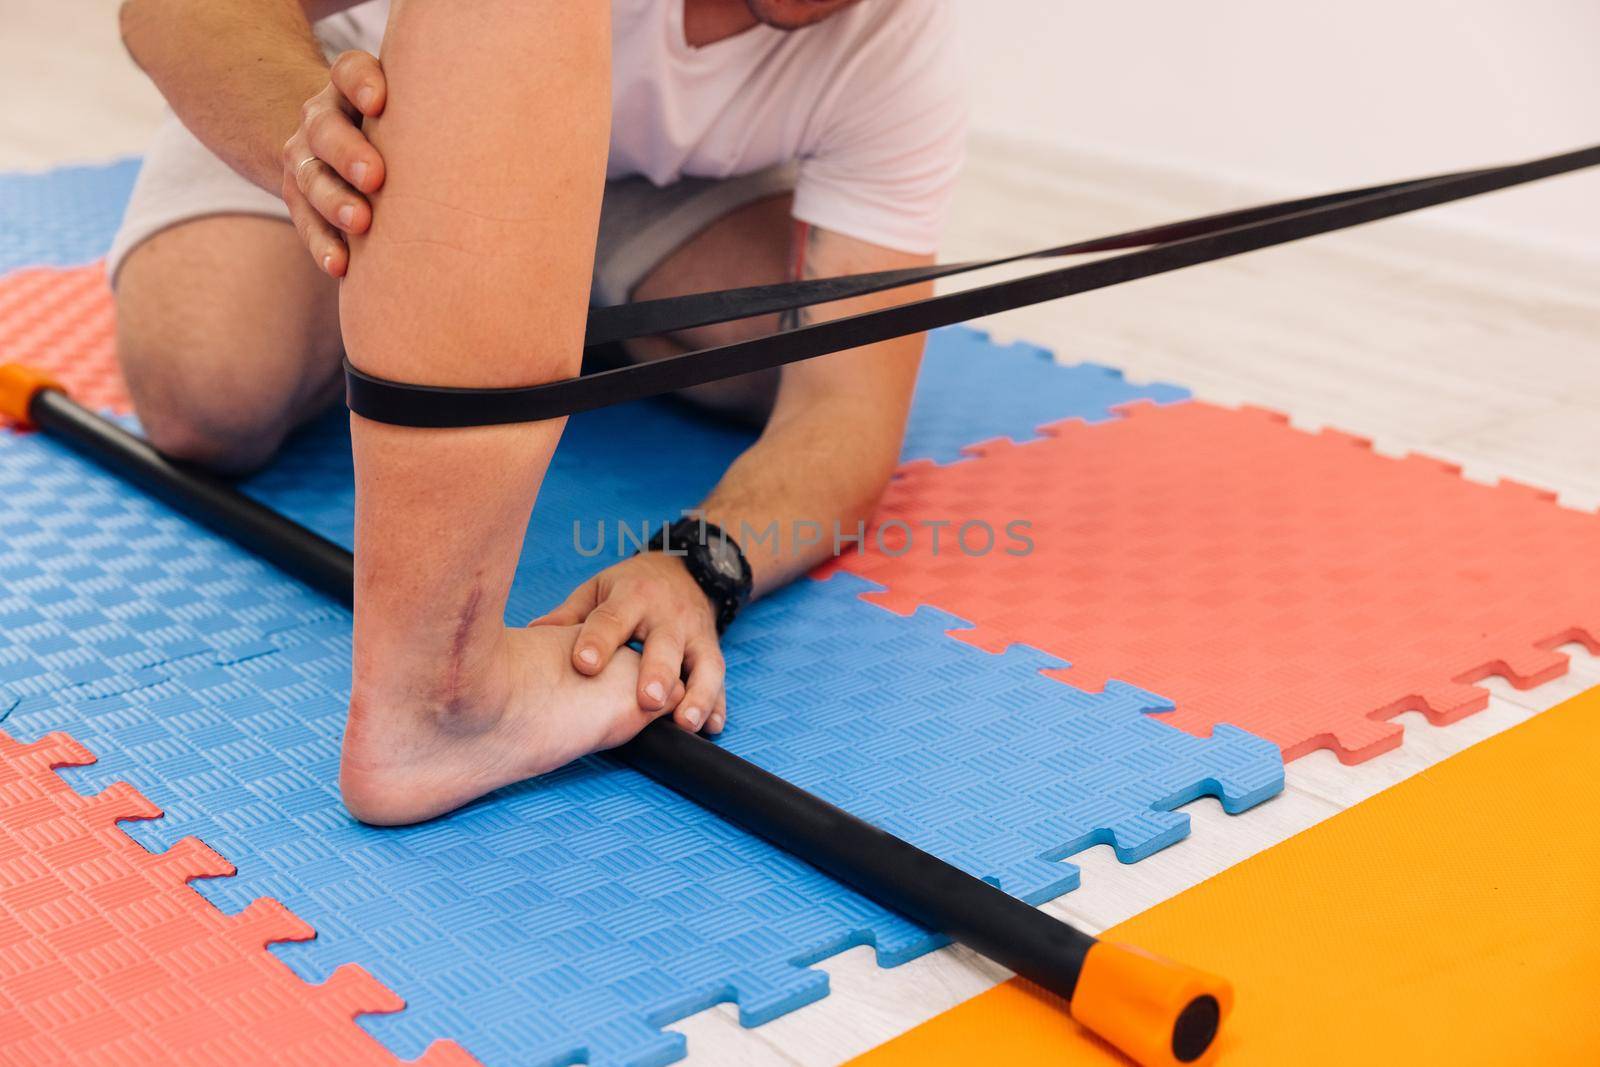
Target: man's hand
{"points": [[651, 598], [329, 166]]}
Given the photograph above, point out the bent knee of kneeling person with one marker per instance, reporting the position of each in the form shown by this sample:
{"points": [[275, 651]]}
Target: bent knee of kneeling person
{"points": [[220, 433], [227, 338], [194, 414]]}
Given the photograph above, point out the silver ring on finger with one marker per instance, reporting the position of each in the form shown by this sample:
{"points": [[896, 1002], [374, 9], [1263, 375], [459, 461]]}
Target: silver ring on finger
{"points": [[300, 166]]}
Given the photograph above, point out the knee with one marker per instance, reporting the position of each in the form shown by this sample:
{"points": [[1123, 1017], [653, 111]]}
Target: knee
{"points": [[208, 438], [191, 414]]}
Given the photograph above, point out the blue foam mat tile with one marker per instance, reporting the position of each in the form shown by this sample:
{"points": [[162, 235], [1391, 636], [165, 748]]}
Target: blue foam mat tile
{"points": [[102, 590], [972, 389], [62, 217]]}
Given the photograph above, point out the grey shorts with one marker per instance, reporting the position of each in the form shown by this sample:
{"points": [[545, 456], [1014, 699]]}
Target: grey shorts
{"points": [[640, 223]]}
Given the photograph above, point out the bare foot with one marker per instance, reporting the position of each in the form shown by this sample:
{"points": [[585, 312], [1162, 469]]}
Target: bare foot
{"points": [[531, 713]]}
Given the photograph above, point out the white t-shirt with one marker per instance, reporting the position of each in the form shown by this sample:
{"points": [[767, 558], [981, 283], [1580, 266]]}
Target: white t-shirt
{"points": [[870, 103]]}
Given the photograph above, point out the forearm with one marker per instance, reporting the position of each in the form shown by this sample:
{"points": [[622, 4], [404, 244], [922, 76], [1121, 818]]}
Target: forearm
{"points": [[236, 72], [808, 486], [797, 498], [806, 489]]}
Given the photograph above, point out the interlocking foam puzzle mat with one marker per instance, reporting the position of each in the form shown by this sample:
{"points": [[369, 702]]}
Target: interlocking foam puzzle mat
{"points": [[572, 918], [1297, 585], [106, 956], [97, 595]]}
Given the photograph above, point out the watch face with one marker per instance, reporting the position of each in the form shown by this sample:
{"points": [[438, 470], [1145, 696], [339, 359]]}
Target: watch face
{"points": [[724, 558]]}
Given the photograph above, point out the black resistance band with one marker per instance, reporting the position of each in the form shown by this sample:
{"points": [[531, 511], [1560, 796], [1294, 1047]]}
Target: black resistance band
{"points": [[1161, 249], [645, 318]]}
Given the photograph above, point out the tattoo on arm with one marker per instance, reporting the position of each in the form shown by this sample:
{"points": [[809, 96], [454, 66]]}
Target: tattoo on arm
{"points": [[801, 246]]}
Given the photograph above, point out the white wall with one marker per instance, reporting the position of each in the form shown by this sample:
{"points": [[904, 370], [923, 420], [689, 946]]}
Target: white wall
{"points": [[1304, 95]]}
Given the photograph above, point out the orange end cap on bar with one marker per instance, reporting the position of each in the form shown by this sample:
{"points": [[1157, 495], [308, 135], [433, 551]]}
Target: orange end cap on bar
{"points": [[1160, 1013], [18, 386]]}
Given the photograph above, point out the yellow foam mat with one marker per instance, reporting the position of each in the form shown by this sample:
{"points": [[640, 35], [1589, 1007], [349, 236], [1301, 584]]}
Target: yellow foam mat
{"points": [[1453, 919]]}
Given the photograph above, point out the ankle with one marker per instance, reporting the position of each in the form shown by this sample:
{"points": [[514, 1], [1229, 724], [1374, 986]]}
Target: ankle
{"points": [[457, 690], [400, 732]]}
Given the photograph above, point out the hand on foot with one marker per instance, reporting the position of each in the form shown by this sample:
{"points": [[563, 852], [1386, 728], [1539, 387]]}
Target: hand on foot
{"points": [[651, 598], [409, 757]]}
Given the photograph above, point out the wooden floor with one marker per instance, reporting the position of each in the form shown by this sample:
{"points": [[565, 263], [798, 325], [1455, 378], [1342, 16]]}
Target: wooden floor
{"points": [[1419, 336]]}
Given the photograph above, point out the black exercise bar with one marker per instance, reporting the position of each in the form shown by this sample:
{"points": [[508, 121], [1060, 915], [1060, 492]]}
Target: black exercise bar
{"points": [[1157, 1011]]}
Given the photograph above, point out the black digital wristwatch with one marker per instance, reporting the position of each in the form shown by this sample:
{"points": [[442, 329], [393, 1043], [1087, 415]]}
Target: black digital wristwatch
{"points": [[715, 562]]}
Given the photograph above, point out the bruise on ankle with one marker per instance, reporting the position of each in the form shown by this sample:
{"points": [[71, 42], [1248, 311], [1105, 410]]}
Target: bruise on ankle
{"points": [[455, 697], [440, 668]]}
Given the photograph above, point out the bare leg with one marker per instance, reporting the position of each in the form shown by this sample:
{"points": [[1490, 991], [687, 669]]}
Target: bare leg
{"points": [[229, 337], [748, 246], [475, 272]]}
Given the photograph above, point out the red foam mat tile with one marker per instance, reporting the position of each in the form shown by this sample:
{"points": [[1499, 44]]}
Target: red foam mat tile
{"points": [[1296, 585], [61, 321], [108, 957]]}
